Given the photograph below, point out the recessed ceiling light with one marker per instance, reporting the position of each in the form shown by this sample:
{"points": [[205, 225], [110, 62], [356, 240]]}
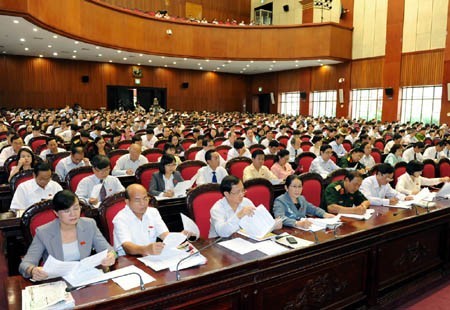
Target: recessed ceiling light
{"points": [[163, 57], [26, 48], [318, 60], [97, 47], [22, 40], [49, 46], [165, 66], [184, 59], [218, 68], [247, 66], [110, 60], [274, 61], [4, 52], [296, 61], [223, 65], [74, 51], [124, 58], [296, 65], [243, 69], [271, 66], [201, 68], [119, 51], [100, 55], [41, 56], [15, 21], [229, 61], [174, 62], [35, 29], [55, 37], [74, 56], [251, 61], [55, 54], [207, 60], [138, 64], [270, 69], [199, 64], [321, 64], [149, 60], [140, 55], [76, 42]]}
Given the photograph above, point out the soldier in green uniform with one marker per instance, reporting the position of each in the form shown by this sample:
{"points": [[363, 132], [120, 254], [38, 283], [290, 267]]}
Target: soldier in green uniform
{"points": [[344, 196]]}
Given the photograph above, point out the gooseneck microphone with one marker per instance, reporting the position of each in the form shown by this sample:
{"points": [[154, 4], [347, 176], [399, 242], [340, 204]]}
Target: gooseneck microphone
{"points": [[79, 287], [177, 269]]}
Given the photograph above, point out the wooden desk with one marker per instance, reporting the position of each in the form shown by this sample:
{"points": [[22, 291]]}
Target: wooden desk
{"points": [[370, 263]]}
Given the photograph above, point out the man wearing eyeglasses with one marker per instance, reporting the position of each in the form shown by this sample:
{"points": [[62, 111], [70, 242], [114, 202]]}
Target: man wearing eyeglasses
{"points": [[378, 190]]}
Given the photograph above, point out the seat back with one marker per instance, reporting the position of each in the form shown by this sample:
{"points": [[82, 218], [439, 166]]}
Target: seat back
{"points": [[304, 160], [200, 201], [347, 145], [223, 150], [269, 160], [145, 172], [53, 159], [107, 211], [305, 138], [10, 162], [219, 140], [187, 142], [444, 167], [237, 165], [188, 169], [160, 144], [377, 155], [379, 144], [190, 153], [74, 176], [259, 191], [115, 155], [399, 169], [283, 139], [312, 187], [153, 154], [336, 175], [255, 147], [306, 145], [35, 142], [19, 178], [124, 144], [334, 157], [429, 168]]}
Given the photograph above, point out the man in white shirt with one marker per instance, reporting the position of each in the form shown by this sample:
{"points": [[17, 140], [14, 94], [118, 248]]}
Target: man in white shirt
{"points": [[207, 145], [272, 149], [269, 138], [257, 168], [435, 152], [75, 160], [149, 139], [13, 149], [250, 138], [35, 133], [128, 163], [97, 187], [414, 152], [52, 148], [137, 226], [212, 172], [39, 188], [231, 139], [323, 164], [294, 148], [397, 139], [446, 151], [378, 190], [238, 150], [337, 146]]}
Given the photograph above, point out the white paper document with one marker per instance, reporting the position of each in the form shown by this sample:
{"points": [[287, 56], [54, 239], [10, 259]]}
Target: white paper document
{"points": [[95, 193], [172, 240], [181, 188], [238, 245], [51, 295], [170, 258], [444, 192], [365, 216], [57, 268], [258, 225], [318, 224], [130, 281], [190, 225], [270, 247], [403, 204]]}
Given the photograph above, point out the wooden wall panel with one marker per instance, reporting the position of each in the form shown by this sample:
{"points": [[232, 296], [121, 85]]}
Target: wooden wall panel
{"points": [[47, 83], [367, 73], [422, 68]]}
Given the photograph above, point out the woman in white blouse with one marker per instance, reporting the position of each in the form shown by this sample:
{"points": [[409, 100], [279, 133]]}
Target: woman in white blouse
{"points": [[367, 160], [411, 181]]}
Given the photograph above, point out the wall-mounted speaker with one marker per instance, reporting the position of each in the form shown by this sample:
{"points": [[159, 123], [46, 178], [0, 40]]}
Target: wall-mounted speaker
{"points": [[85, 79], [272, 98], [286, 8], [184, 85], [341, 95], [303, 95], [389, 92]]}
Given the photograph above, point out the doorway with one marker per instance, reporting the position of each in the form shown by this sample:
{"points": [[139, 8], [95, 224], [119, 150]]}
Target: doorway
{"points": [[127, 97]]}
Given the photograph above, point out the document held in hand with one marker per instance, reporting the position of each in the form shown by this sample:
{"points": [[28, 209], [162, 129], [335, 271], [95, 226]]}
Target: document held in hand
{"points": [[258, 225]]}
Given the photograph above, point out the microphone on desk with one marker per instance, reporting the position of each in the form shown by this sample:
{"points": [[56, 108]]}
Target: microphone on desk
{"points": [[177, 269], [79, 287]]}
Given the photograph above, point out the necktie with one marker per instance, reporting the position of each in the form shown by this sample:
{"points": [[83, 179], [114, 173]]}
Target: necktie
{"points": [[435, 155], [102, 191], [415, 157], [214, 178]]}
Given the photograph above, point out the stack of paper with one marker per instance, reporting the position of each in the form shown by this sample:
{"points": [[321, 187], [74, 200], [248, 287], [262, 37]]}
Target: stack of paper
{"points": [[321, 224], [259, 224], [47, 296], [170, 257], [365, 216]]}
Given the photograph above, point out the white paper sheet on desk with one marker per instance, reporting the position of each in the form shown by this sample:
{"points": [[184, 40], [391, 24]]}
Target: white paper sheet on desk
{"points": [[170, 258], [444, 192], [365, 216], [57, 268], [47, 296], [130, 281], [324, 223], [402, 204], [269, 247], [172, 240], [159, 198], [238, 245], [258, 225], [189, 225], [181, 187], [84, 277]]}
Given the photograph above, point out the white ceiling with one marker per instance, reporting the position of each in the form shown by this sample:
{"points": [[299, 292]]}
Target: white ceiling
{"points": [[20, 37]]}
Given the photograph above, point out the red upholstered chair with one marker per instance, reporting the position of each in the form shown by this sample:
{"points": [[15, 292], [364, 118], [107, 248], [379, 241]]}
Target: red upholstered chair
{"points": [[334, 157], [187, 142], [115, 155], [377, 155], [269, 160], [379, 144], [336, 175], [35, 142], [237, 165], [255, 147], [160, 144], [74, 176], [53, 159], [124, 144], [306, 145], [10, 162], [347, 145], [312, 187], [145, 172], [107, 211], [223, 150], [259, 191], [399, 169], [283, 139], [22, 132], [219, 140], [428, 141], [304, 160], [19, 178], [200, 201], [429, 168], [444, 167], [152, 154], [305, 138], [190, 153], [189, 168], [3, 135]]}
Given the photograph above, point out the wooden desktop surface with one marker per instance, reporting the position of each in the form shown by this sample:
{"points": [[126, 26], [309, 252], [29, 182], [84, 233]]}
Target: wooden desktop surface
{"points": [[377, 262]]}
